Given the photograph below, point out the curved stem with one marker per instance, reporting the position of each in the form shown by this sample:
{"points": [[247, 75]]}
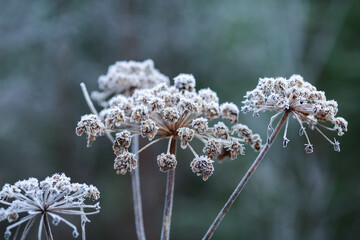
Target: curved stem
{"points": [[244, 180], [135, 183], [169, 197]]}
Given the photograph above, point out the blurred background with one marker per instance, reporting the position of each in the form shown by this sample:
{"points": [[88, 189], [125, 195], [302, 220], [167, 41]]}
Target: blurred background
{"points": [[48, 47]]}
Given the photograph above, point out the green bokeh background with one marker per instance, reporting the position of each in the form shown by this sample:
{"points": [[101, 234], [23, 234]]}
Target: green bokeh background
{"points": [[48, 47]]}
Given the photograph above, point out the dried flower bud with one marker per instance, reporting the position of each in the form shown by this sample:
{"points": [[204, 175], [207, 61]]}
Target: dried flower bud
{"points": [[185, 82], [186, 135], [125, 162], [171, 115], [212, 148], [234, 148], [187, 106], [202, 166], [230, 111], [241, 130], [148, 128], [112, 116], [122, 142], [221, 130], [212, 110], [166, 162], [200, 125], [156, 105], [139, 113], [91, 126], [208, 95]]}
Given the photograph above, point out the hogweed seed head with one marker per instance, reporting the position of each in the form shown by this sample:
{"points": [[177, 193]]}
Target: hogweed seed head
{"points": [[125, 76], [303, 100], [27, 200], [176, 112], [202, 166]]}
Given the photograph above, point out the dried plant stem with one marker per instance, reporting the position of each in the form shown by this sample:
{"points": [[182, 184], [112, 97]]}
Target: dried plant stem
{"points": [[135, 182], [244, 180], [47, 228], [135, 178], [169, 197]]}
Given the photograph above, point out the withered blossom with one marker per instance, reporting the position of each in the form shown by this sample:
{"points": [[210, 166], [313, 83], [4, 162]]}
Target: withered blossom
{"points": [[50, 199], [175, 112], [307, 105]]}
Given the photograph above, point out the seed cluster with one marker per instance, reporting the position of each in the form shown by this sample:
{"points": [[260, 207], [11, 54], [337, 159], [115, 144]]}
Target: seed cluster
{"points": [[173, 112], [49, 199], [303, 100], [125, 76]]}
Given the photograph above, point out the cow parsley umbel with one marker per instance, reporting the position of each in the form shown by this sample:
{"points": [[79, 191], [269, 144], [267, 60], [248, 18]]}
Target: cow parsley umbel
{"points": [[50, 199]]}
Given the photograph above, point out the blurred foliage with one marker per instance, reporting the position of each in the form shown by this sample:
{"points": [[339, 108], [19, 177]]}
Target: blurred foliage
{"points": [[48, 47]]}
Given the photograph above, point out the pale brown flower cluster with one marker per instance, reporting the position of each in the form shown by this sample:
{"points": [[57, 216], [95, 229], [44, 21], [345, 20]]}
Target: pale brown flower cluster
{"points": [[306, 103]]}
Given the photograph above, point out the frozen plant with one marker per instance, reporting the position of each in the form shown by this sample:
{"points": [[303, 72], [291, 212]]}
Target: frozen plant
{"points": [[177, 113], [286, 96], [50, 199], [122, 78], [125, 76]]}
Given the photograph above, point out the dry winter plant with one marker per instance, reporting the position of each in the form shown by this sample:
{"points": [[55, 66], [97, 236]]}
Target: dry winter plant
{"points": [[175, 113], [122, 79], [50, 199], [295, 97]]}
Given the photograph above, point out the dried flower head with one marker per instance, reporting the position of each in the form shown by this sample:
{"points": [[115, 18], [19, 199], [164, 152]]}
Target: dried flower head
{"points": [[303, 100], [175, 112], [125, 76], [48, 200]]}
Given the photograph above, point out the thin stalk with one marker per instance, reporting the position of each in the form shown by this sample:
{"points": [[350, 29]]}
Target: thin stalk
{"points": [[169, 197], [244, 180], [47, 228], [135, 183]]}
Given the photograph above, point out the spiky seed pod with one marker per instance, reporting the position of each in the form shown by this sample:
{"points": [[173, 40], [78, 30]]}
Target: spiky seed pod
{"points": [[148, 129], [230, 111], [200, 125]]}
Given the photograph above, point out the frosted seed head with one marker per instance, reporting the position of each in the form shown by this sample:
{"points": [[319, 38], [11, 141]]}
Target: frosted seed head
{"points": [[122, 142], [208, 95], [200, 125], [202, 166], [212, 110], [156, 105], [171, 115], [186, 135], [148, 129], [125, 162], [187, 106], [212, 148], [140, 113], [230, 111], [241, 130], [166, 162], [90, 125], [185, 82], [220, 130], [112, 117], [234, 148]]}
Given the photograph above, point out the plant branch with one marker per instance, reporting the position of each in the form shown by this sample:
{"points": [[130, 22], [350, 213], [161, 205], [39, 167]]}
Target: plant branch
{"points": [[169, 197], [244, 180]]}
